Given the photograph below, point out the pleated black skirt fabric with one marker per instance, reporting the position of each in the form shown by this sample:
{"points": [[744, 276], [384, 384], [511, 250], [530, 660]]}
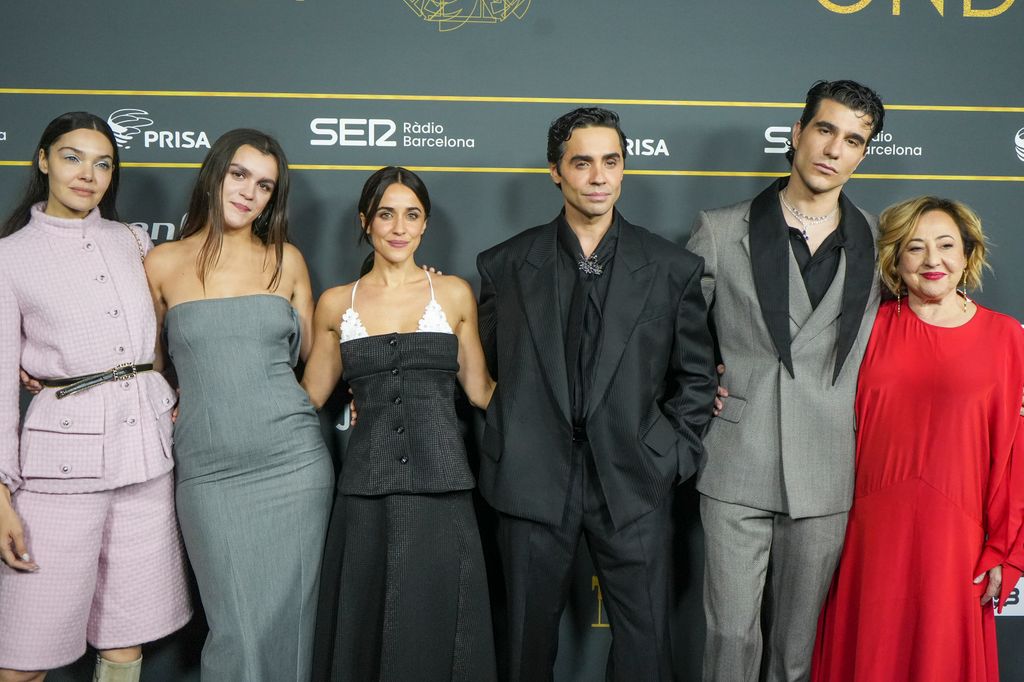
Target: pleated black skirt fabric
{"points": [[404, 592]]}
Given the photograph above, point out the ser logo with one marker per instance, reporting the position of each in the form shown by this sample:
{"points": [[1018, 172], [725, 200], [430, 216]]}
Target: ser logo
{"points": [[381, 132], [353, 132], [127, 124], [3, 136], [880, 145], [1018, 143]]}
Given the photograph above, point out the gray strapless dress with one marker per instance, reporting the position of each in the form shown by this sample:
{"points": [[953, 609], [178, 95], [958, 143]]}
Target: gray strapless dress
{"points": [[254, 487]]}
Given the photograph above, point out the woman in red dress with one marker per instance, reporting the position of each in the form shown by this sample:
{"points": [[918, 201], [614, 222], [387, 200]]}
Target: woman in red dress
{"points": [[934, 534]]}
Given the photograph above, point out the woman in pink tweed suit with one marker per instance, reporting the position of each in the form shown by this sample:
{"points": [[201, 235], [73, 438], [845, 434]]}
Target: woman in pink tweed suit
{"points": [[89, 546]]}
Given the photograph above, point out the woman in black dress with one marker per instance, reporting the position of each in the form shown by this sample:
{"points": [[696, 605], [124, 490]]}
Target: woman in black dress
{"points": [[404, 567]]}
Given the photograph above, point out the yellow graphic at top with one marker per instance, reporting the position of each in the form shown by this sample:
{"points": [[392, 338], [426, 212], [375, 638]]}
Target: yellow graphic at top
{"points": [[452, 14]]}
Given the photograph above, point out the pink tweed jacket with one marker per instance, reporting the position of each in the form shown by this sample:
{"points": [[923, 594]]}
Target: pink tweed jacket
{"points": [[73, 301]]}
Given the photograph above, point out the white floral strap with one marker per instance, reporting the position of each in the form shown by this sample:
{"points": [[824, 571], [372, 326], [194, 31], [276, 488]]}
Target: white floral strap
{"points": [[351, 325], [434, 319]]}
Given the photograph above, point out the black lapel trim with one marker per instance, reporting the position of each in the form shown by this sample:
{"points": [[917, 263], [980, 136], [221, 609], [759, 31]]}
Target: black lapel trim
{"points": [[769, 265], [859, 244]]}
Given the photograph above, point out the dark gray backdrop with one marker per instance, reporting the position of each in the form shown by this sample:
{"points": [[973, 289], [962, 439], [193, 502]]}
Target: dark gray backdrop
{"points": [[706, 90]]}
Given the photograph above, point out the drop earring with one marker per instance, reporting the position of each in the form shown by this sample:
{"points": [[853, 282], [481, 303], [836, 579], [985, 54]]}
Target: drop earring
{"points": [[964, 289], [899, 297]]}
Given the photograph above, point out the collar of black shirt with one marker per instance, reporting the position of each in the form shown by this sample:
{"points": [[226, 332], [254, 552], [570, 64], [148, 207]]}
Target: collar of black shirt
{"points": [[570, 243]]}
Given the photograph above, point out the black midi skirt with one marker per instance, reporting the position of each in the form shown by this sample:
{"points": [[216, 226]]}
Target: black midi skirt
{"points": [[404, 592]]}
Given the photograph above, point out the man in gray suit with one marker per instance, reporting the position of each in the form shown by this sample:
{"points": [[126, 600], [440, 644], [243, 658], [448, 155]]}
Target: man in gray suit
{"points": [[790, 281]]}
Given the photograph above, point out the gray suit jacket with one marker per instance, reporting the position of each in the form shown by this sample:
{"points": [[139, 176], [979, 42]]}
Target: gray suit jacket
{"points": [[785, 440]]}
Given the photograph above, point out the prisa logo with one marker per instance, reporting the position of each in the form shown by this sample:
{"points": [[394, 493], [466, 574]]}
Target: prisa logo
{"points": [[453, 14], [646, 147], [1018, 143], [128, 123]]}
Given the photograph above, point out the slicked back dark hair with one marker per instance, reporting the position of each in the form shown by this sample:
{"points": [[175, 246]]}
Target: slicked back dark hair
{"points": [[38, 188], [851, 95], [378, 183], [205, 208], [584, 117]]}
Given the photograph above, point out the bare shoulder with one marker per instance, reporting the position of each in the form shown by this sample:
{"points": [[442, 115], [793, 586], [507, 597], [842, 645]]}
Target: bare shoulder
{"points": [[453, 288], [166, 257], [292, 253], [455, 294], [292, 260], [336, 300]]}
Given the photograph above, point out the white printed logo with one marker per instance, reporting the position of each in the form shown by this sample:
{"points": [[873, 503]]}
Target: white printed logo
{"points": [[127, 123], [1018, 141], [382, 132]]}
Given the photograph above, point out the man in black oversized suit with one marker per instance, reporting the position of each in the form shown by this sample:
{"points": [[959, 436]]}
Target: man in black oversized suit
{"points": [[596, 331]]}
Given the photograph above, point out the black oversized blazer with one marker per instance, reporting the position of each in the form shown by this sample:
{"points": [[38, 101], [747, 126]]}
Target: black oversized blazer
{"points": [[652, 390]]}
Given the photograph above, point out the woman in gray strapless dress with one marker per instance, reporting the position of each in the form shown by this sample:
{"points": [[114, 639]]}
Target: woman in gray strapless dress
{"points": [[254, 479], [254, 483]]}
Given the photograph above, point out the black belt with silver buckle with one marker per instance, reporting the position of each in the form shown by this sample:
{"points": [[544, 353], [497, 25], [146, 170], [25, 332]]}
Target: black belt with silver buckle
{"points": [[73, 385]]}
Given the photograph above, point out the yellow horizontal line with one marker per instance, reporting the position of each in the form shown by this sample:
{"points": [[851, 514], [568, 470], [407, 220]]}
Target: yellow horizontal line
{"points": [[159, 164], [479, 98], [543, 171], [423, 169], [951, 178]]}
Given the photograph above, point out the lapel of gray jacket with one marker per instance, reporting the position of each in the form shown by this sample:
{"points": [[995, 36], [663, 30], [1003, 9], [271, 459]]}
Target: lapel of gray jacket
{"points": [[632, 277], [818, 319], [538, 284]]}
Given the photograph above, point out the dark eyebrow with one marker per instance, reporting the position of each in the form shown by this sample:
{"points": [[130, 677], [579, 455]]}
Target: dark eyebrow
{"points": [[81, 153], [581, 157], [858, 138], [393, 209], [239, 167]]}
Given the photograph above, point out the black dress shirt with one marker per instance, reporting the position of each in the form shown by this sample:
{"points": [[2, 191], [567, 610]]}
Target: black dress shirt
{"points": [[581, 297], [817, 269]]}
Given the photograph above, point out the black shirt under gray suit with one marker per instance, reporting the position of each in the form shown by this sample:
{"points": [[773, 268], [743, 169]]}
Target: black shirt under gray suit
{"points": [[605, 383]]}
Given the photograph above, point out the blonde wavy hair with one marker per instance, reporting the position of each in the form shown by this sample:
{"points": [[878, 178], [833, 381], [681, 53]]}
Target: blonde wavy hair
{"points": [[896, 227]]}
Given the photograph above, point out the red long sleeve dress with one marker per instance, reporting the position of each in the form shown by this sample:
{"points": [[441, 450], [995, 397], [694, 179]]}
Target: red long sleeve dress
{"points": [[938, 500]]}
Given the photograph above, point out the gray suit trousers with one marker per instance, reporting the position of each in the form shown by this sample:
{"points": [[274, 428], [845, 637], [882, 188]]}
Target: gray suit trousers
{"points": [[765, 578]]}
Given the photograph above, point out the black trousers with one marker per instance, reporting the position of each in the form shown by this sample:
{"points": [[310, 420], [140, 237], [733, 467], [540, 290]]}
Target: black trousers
{"points": [[632, 564]]}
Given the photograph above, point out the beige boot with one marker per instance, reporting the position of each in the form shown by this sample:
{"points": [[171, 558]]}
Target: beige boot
{"points": [[108, 671]]}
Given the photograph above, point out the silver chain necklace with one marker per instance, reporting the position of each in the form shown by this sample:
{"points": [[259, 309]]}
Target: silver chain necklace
{"points": [[805, 219]]}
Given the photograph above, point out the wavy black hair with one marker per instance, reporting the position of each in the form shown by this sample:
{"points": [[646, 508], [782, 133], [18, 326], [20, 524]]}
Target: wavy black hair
{"points": [[850, 94], [584, 117]]}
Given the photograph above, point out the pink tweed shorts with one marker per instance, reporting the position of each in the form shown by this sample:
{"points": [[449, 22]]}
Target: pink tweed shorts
{"points": [[111, 573]]}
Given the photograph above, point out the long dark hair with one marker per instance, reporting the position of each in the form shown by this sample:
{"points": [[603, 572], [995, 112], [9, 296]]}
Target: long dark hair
{"points": [[38, 188], [205, 208], [377, 184]]}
